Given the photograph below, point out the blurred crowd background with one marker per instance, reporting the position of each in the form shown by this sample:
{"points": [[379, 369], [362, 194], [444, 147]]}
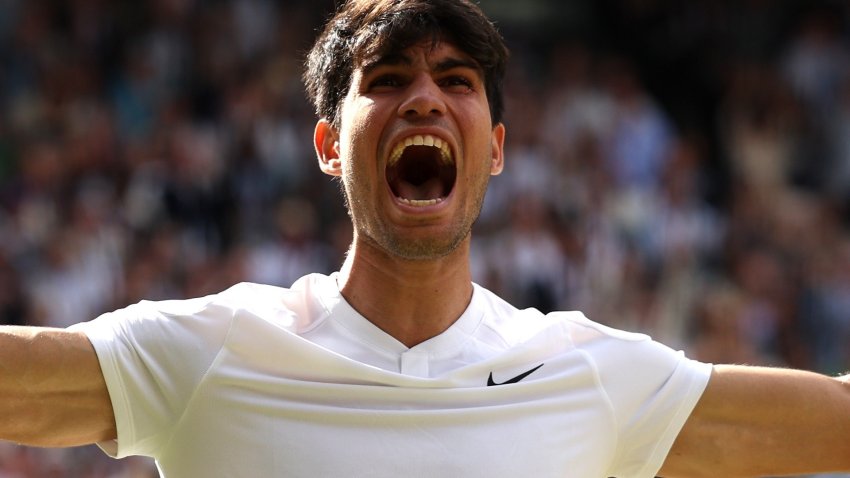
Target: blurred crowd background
{"points": [[676, 168]]}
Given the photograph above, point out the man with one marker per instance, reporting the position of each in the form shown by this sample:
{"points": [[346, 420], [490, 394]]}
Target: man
{"points": [[398, 365]]}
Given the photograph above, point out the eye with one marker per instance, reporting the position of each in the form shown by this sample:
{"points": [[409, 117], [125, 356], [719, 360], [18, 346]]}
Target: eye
{"points": [[385, 82], [457, 84]]}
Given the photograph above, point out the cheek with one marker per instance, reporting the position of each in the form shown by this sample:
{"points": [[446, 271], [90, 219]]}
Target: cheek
{"points": [[483, 150], [477, 120], [358, 150], [357, 137]]}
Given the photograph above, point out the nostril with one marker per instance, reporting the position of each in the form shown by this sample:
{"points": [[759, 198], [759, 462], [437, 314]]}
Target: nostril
{"points": [[423, 110]]}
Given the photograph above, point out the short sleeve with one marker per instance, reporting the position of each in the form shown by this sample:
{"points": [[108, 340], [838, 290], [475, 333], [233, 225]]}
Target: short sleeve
{"points": [[652, 390], [153, 355]]}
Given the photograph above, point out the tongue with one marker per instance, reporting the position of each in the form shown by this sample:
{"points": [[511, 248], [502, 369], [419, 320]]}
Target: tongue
{"points": [[430, 189]]}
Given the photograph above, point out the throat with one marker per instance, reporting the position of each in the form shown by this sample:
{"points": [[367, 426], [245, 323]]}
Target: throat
{"points": [[412, 302]]}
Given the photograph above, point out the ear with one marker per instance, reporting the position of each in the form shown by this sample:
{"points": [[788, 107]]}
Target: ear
{"points": [[326, 142], [497, 147]]}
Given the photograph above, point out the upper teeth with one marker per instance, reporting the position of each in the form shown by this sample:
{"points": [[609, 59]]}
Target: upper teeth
{"points": [[422, 140]]}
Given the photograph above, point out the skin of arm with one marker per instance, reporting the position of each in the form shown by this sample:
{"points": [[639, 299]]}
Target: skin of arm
{"points": [[52, 391], [755, 421]]}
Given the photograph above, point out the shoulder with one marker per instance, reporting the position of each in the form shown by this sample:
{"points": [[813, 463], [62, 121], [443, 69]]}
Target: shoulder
{"points": [[571, 326], [610, 350], [295, 309], [586, 333], [212, 316], [632, 366], [617, 350]]}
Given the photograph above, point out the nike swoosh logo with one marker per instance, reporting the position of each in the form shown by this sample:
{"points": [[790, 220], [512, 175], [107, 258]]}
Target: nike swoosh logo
{"points": [[516, 379]]}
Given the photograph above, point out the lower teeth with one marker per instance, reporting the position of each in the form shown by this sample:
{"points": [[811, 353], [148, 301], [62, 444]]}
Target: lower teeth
{"points": [[420, 202]]}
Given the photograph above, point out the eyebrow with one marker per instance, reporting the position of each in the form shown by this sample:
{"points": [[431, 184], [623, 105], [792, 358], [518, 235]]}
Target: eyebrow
{"points": [[395, 59], [452, 63]]}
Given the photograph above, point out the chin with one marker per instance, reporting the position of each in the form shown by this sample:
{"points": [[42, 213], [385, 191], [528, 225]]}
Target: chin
{"points": [[423, 249]]}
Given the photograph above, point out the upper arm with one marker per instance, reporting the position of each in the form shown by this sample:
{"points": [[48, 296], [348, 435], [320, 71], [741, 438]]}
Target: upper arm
{"points": [[52, 391], [754, 421]]}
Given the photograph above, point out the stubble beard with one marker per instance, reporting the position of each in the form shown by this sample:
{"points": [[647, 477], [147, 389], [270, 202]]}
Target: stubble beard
{"points": [[382, 235], [421, 249]]}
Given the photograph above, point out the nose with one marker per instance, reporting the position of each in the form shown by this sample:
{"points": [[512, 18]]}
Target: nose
{"points": [[424, 98]]}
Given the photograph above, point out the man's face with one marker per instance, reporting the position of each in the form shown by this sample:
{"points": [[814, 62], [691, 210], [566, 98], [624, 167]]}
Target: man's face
{"points": [[414, 147]]}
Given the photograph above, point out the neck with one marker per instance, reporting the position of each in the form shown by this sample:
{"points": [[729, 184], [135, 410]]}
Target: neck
{"points": [[412, 300]]}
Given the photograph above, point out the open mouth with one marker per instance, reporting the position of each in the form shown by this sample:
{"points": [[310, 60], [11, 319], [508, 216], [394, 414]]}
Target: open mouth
{"points": [[421, 170]]}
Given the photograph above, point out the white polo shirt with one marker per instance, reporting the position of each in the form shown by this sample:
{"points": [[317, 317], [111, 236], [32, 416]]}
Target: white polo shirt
{"points": [[262, 381]]}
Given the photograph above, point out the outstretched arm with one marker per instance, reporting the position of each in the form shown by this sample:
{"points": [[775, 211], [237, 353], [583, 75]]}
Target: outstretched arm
{"points": [[52, 392], [754, 421]]}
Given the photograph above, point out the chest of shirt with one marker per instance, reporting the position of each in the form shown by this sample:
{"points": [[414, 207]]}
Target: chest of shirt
{"points": [[552, 422]]}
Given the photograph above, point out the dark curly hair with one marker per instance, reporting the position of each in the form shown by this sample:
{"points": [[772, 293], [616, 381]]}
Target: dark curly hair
{"points": [[363, 28]]}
